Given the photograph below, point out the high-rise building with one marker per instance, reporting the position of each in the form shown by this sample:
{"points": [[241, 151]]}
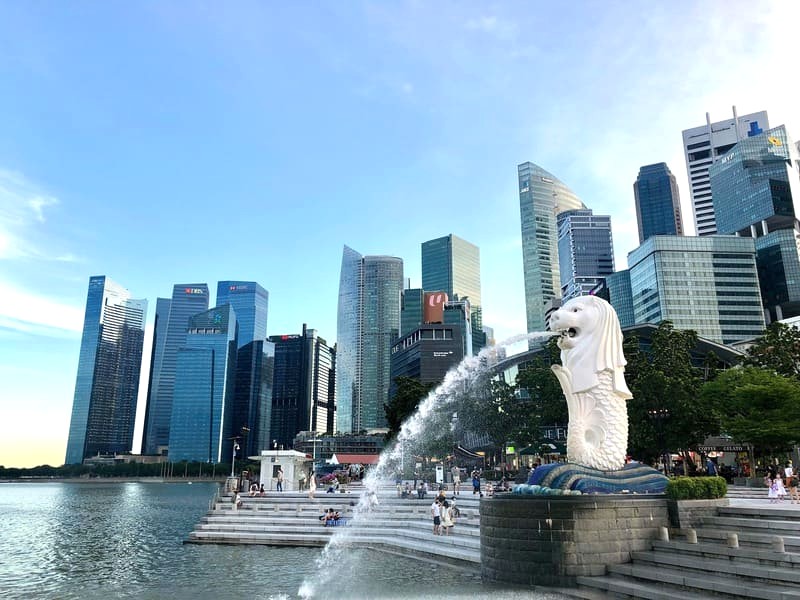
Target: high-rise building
{"points": [[658, 202], [708, 284], [303, 374], [585, 251], [411, 301], [452, 265], [252, 412], [156, 356], [250, 301], [706, 145], [541, 197], [188, 299], [107, 384], [427, 353], [205, 377], [755, 188], [619, 295], [368, 322]]}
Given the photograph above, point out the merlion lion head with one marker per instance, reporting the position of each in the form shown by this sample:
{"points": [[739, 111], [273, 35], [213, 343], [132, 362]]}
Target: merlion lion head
{"points": [[590, 342]]}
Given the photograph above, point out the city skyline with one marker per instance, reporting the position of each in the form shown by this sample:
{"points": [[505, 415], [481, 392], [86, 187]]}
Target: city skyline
{"points": [[128, 130]]}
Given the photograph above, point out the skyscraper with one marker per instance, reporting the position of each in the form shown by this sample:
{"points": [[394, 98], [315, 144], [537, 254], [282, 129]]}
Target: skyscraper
{"points": [[188, 299], [541, 197], [658, 202], [107, 384], [755, 188], [707, 284], [250, 301], [156, 355], [704, 146], [205, 376], [368, 322], [585, 251], [255, 367], [303, 374], [452, 265]]}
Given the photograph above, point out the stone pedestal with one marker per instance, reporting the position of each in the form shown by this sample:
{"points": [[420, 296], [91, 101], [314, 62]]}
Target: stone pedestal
{"points": [[541, 540]]}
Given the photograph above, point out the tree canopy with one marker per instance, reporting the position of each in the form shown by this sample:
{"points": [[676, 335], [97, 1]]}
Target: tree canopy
{"points": [[777, 350], [757, 406]]}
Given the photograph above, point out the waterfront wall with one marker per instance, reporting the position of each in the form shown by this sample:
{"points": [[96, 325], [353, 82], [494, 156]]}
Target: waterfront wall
{"points": [[549, 541]]}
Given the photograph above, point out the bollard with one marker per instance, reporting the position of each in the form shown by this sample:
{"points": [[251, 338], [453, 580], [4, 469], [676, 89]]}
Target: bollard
{"points": [[691, 536], [663, 534], [733, 540], [777, 544]]}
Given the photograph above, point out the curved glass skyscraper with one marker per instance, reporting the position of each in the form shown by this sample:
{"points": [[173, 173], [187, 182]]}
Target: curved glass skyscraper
{"points": [[368, 323], [541, 197], [107, 385]]}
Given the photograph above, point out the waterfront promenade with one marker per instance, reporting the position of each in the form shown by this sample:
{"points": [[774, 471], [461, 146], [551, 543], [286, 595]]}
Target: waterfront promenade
{"points": [[767, 545]]}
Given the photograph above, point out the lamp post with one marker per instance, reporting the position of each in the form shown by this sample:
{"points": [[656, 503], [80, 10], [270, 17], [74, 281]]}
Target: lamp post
{"points": [[233, 457], [658, 416]]}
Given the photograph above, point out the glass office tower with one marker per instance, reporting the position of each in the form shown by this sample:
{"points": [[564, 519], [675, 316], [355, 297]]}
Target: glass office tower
{"points": [[585, 251], [755, 188], [658, 202], [255, 367], [452, 265], [205, 374], [706, 145], [303, 365], [107, 384], [541, 197], [250, 301], [708, 284], [188, 299], [368, 323], [156, 356]]}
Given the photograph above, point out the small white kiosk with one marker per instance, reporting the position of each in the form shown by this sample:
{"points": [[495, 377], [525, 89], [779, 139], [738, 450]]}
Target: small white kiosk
{"points": [[291, 461]]}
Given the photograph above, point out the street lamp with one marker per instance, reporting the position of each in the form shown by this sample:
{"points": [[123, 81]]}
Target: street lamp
{"points": [[233, 457], [658, 416]]}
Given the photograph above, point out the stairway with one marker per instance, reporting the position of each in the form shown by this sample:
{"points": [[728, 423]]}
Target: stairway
{"points": [[399, 525], [678, 569]]}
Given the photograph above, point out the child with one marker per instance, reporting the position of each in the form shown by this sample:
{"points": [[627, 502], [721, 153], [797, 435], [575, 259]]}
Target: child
{"points": [[781, 489]]}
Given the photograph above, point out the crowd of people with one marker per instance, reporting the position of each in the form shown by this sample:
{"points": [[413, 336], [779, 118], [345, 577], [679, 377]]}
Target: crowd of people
{"points": [[777, 479]]}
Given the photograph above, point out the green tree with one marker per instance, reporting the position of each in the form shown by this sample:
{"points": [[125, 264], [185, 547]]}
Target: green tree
{"points": [[757, 406], [777, 350], [548, 405], [665, 413], [409, 393]]}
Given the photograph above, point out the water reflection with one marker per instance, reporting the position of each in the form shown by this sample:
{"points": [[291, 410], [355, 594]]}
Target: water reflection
{"points": [[125, 540]]}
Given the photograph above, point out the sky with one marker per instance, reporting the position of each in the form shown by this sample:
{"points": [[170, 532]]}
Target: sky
{"points": [[179, 142]]}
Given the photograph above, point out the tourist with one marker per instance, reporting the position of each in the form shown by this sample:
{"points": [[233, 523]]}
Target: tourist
{"points": [[262, 491], [312, 485], [333, 486], [301, 480], [447, 520], [476, 484], [253, 489], [236, 500], [456, 478], [774, 490], [436, 513], [326, 516], [279, 486], [407, 492], [454, 510], [421, 491], [711, 468]]}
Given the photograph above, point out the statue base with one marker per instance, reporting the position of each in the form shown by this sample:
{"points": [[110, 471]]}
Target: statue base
{"points": [[567, 479]]}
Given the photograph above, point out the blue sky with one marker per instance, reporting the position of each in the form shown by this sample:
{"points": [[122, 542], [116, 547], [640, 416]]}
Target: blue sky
{"points": [[174, 142]]}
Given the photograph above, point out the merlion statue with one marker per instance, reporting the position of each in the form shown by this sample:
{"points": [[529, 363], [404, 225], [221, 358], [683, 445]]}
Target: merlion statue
{"points": [[592, 376]]}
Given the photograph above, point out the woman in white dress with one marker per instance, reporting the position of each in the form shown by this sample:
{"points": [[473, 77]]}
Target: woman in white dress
{"points": [[447, 518], [312, 485]]}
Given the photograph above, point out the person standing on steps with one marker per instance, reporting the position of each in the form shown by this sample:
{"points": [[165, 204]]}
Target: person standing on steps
{"points": [[312, 484], [279, 485], [456, 479], [436, 513]]}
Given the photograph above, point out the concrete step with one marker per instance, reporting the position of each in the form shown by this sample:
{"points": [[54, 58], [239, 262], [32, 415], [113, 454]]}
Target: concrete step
{"points": [[704, 581], [753, 565], [784, 511], [630, 588], [747, 539], [277, 520], [752, 524]]}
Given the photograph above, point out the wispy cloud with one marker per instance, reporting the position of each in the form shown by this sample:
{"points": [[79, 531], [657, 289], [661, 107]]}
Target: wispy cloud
{"points": [[23, 214], [32, 313]]}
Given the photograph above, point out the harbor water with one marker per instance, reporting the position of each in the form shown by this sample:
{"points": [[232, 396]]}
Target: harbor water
{"points": [[91, 540]]}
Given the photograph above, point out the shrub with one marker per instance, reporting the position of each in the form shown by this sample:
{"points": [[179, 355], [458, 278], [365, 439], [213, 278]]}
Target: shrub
{"points": [[696, 488]]}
